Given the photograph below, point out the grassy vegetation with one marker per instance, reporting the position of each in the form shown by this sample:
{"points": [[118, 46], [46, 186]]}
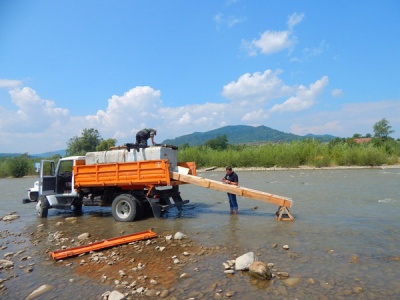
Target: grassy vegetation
{"points": [[19, 166], [338, 152]]}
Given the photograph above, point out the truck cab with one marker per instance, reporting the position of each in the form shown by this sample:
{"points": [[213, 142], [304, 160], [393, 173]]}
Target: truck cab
{"points": [[56, 186]]}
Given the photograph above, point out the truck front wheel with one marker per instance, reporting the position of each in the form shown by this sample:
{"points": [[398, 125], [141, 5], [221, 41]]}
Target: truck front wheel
{"points": [[125, 208], [42, 207]]}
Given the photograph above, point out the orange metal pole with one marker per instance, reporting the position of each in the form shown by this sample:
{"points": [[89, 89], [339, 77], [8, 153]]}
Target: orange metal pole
{"points": [[103, 244]]}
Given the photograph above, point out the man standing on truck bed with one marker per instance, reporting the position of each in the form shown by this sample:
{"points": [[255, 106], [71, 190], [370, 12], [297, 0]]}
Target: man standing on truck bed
{"points": [[143, 135]]}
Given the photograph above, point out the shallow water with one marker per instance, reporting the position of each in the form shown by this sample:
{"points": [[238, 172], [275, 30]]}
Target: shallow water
{"points": [[344, 242]]}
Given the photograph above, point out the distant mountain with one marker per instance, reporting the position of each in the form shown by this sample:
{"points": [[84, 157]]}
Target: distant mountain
{"points": [[322, 138], [9, 154], [243, 134], [50, 154], [236, 134], [41, 155]]}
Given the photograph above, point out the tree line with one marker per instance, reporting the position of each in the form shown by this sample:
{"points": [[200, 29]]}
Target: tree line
{"points": [[380, 150]]}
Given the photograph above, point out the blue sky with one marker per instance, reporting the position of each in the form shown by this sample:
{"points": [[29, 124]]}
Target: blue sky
{"points": [[186, 66]]}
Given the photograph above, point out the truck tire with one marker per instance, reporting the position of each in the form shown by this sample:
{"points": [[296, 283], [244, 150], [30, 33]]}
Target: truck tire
{"points": [[42, 207], [126, 208]]}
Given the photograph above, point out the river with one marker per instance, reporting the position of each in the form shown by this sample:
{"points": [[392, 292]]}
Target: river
{"points": [[344, 242]]}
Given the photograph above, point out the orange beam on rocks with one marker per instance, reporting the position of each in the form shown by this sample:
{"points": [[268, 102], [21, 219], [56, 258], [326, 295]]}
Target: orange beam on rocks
{"points": [[144, 235]]}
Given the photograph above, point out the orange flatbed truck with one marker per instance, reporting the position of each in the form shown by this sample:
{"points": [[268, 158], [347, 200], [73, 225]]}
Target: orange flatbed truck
{"points": [[134, 183]]}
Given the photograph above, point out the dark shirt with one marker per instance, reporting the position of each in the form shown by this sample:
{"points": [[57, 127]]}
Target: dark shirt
{"points": [[232, 177], [146, 133]]}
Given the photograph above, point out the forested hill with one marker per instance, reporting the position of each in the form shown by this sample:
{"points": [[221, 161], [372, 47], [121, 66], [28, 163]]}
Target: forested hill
{"points": [[243, 134]]}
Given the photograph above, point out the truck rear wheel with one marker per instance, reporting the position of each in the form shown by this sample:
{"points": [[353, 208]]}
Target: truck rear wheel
{"points": [[126, 208], [42, 207]]}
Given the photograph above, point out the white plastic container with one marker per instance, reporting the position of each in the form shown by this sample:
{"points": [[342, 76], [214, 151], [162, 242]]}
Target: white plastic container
{"points": [[117, 156]]}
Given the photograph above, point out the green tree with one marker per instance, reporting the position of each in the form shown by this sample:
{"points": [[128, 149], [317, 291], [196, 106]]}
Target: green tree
{"points": [[184, 146], [106, 144], [88, 141], [357, 135], [382, 129], [219, 143], [19, 166]]}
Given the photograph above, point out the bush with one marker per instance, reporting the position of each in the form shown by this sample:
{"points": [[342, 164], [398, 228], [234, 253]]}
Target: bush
{"points": [[19, 166]]}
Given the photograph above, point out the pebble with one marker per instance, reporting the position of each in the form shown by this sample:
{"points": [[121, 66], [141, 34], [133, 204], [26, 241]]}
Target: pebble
{"points": [[179, 235], [283, 274], [84, 236], [354, 259], [40, 291], [164, 294], [115, 295], [8, 254], [10, 217], [286, 247], [4, 264], [291, 281], [229, 294]]}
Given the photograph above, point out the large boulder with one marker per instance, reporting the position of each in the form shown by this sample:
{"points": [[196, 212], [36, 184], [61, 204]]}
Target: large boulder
{"points": [[243, 262], [260, 270]]}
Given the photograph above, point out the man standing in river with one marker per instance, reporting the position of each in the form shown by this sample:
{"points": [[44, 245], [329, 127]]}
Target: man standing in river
{"points": [[232, 179]]}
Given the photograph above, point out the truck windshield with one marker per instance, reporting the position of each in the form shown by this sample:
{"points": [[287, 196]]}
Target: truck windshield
{"points": [[65, 166]]}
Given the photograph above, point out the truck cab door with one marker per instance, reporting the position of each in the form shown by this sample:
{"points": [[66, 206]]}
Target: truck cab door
{"points": [[47, 179]]}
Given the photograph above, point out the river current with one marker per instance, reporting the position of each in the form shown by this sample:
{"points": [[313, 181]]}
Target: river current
{"points": [[344, 242]]}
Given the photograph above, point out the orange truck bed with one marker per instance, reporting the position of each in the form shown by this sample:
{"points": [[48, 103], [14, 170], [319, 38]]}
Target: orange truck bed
{"points": [[139, 173]]}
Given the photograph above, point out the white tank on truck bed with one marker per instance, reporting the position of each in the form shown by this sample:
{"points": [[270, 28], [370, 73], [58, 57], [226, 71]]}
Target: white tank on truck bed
{"points": [[122, 155]]}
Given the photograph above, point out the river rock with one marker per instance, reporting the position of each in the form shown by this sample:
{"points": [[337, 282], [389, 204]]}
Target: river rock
{"points": [[4, 264], [40, 291], [164, 294], [260, 270], [10, 217], [243, 262], [283, 275], [151, 293], [84, 236], [291, 281], [179, 235], [115, 295]]}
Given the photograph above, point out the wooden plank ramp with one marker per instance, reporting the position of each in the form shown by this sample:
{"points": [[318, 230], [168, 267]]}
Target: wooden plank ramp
{"points": [[284, 203]]}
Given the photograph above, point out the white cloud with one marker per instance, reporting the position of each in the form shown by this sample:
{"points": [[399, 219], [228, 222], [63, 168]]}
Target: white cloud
{"points": [[227, 21], [37, 125], [274, 41], [349, 119], [294, 19], [308, 53], [337, 93], [9, 83], [304, 97], [259, 87]]}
